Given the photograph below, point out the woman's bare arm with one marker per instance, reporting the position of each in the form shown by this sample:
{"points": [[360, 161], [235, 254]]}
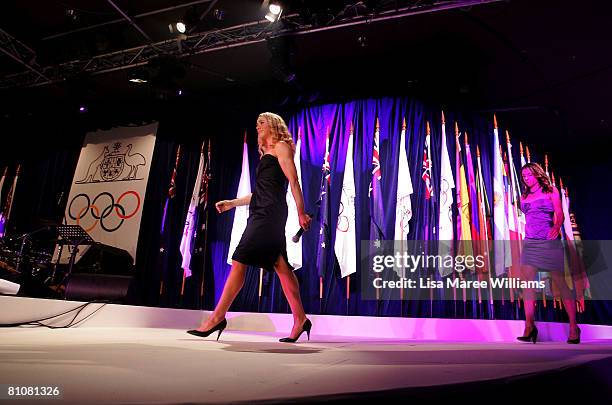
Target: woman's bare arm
{"points": [[244, 200], [284, 154], [225, 205], [558, 217]]}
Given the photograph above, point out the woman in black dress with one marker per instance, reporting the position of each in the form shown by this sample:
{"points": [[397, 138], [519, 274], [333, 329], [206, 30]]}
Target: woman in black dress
{"points": [[263, 241]]}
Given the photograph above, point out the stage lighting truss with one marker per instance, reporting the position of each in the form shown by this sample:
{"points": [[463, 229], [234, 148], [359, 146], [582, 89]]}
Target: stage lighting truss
{"points": [[209, 41]]}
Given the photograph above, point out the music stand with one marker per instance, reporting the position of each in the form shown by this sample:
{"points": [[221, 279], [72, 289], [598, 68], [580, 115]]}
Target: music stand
{"points": [[73, 235]]}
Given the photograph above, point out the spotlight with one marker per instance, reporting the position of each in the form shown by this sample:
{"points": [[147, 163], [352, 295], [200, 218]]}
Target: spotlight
{"points": [[179, 27], [274, 13], [138, 76], [180, 92], [275, 9], [82, 109]]}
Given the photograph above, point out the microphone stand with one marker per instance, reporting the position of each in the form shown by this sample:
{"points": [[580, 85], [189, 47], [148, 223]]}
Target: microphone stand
{"points": [[25, 238]]}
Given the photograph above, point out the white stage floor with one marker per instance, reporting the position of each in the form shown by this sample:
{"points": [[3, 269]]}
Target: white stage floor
{"points": [[124, 354], [158, 366]]}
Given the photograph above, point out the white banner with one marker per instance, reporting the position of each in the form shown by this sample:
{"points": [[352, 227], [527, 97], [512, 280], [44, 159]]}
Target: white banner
{"points": [[345, 246], [241, 213], [108, 190], [294, 250], [445, 219]]}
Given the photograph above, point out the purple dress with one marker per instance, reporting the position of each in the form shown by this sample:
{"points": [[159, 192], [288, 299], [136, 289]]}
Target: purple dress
{"points": [[539, 251]]}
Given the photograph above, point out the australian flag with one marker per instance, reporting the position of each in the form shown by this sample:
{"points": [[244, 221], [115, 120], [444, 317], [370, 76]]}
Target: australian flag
{"points": [[375, 192], [324, 214], [429, 192]]}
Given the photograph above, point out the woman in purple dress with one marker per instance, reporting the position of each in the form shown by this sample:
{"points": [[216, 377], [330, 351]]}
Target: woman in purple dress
{"points": [[542, 247]]}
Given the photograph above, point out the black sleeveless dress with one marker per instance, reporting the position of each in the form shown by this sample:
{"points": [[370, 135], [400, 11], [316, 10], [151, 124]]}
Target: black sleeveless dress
{"points": [[263, 239]]}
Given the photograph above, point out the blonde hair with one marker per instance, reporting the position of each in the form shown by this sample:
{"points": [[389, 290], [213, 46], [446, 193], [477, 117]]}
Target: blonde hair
{"points": [[278, 129]]}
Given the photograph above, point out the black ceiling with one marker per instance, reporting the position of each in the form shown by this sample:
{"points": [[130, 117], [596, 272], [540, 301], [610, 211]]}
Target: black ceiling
{"points": [[545, 66]]}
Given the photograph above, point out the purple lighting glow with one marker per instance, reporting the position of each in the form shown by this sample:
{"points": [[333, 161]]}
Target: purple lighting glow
{"points": [[82, 108]]}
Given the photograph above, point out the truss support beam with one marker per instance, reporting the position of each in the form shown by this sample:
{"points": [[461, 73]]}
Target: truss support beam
{"points": [[210, 41]]}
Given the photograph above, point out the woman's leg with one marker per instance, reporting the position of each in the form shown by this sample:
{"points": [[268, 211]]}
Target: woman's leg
{"points": [[232, 287], [291, 289], [569, 302], [528, 274]]}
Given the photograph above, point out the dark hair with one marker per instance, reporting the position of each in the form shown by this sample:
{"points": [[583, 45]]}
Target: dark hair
{"points": [[540, 175]]}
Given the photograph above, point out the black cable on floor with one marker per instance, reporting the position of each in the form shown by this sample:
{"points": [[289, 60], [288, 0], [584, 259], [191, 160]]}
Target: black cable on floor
{"points": [[39, 322]]}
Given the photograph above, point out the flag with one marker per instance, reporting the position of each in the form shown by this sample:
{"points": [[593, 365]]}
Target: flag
{"points": [[294, 250], [403, 209], [375, 191], [500, 224], [580, 278], [447, 184], [471, 179], [191, 219], [324, 216], [241, 213], [171, 190], [345, 246], [465, 237], [164, 236], [518, 216], [8, 205], [567, 223], [523, 161], [483, 213], [206, 177], [427, 178], [457, 172], [1, 207]]}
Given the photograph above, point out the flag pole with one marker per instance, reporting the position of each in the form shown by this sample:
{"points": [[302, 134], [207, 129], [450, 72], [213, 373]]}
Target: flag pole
{"points": [[348, 292], [260, 288], [528, 154]]}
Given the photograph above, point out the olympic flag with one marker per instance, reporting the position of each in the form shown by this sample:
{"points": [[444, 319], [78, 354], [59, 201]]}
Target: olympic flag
{"points": [[108, 190], [294, 250], [346, 244]]}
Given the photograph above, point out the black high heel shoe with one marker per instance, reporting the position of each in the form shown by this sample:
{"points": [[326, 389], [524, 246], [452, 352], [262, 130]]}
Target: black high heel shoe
{"points": [[574, 341], [532, 336], [305, 328], [218, 327]]}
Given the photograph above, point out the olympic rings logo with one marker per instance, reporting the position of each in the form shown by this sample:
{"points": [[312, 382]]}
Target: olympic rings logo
{"points": [[87, 207]]}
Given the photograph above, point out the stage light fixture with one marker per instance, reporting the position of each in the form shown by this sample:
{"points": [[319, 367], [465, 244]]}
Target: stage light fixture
{"points": [[180, 27], [82, 109], [138, 76], [275, 8], [274, 12]]}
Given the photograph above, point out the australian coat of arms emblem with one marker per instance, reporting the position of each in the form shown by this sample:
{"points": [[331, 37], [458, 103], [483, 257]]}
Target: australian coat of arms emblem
{"points": [[115, 165]]}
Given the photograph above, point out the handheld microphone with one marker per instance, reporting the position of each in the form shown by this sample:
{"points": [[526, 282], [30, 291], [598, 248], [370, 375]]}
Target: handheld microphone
{"points": [[298, 234]]}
